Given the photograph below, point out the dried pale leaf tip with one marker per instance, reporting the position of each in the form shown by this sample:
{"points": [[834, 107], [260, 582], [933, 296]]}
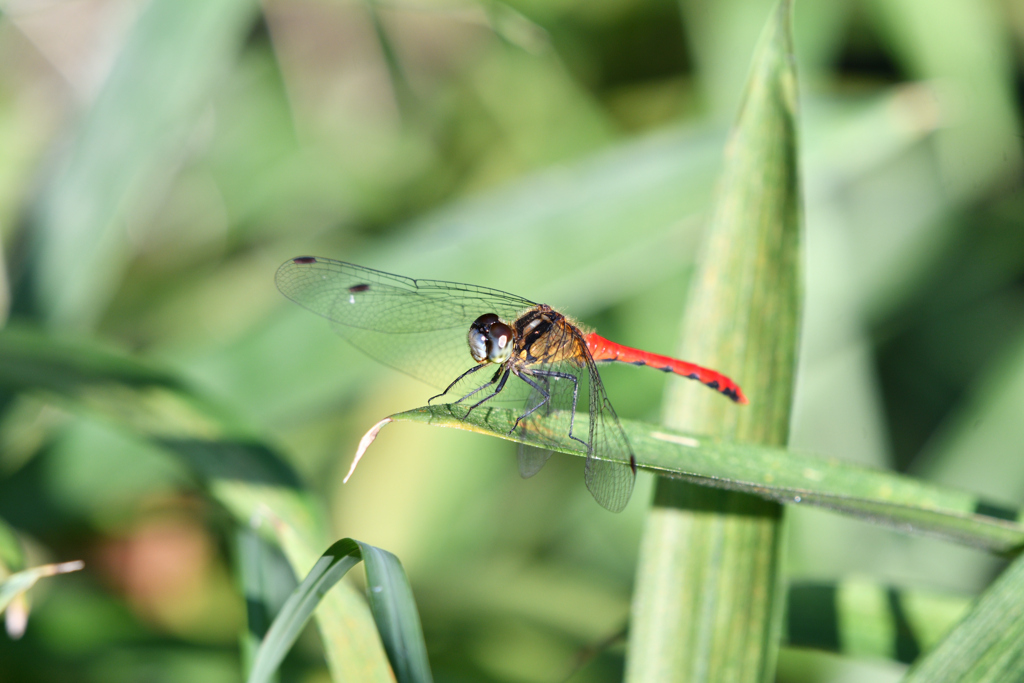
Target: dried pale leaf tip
{"points": [[16, 617], [675, 438], [64, 567], [364, 443]]}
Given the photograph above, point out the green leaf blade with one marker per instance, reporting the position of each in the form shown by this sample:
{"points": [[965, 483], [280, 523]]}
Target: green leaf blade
{"points": [[391, 602], [707, 605], [288, 624], [394, 610], [780, 475], [987, 644]]}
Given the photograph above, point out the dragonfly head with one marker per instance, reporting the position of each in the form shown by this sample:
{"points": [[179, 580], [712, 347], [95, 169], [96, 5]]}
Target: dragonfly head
{"points": [[490, 340]]}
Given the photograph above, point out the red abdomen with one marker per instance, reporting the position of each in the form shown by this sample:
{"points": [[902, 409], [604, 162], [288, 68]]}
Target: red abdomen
{"points": [[603, 350]]}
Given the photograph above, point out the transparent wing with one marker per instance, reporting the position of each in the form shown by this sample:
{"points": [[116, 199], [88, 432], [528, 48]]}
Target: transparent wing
{"points": [[577, 415], [416, 326], [531, 458], [610, 482]]}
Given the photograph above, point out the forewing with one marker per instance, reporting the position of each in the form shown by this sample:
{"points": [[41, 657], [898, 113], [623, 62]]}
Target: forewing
{"points": [[416, 326]]}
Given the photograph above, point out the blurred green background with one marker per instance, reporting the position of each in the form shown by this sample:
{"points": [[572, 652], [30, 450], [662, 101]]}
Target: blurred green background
{"points": [[159, 160]]}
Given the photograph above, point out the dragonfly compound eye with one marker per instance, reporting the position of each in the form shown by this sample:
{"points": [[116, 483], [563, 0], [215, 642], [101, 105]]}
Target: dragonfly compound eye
{"points": [[490, 340]]}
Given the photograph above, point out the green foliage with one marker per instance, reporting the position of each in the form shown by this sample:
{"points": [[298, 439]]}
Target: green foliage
{"points": [[390, 599], [159, 160]]}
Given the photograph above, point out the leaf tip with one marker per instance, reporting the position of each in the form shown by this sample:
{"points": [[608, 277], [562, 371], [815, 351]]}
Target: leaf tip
{"points": [[364, 443], [16, 617], [65, 567]]}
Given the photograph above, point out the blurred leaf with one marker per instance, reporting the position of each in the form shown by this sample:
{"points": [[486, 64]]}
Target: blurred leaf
{"points": [[723, 35], [403, 93], [16, 585], [12, 555], [264, 586], [30, 359], [243, 474], [941, 40], [174, 57], [859, 618], [818, 36], [979, 444], [784, 476], [515, 27], [390, 599], [988, 643]]}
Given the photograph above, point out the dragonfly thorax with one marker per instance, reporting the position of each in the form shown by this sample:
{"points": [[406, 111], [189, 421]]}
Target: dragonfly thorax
{"points": [[490, 340]]}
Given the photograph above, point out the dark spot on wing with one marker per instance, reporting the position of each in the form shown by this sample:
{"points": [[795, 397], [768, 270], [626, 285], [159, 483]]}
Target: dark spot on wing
{"points": [[632, 462], [304, 260], [355, 289]]}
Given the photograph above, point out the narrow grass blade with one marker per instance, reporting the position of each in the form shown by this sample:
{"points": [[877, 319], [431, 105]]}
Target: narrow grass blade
{"points": [[173, 57], [394, 610], [296, 611], [776, 474], [391, 600], [405, 97], [265, 585], [988, 644], [12, 555]]}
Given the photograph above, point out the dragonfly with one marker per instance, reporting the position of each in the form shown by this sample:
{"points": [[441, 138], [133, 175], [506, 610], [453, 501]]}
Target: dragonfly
{"points": [[485, 347]]}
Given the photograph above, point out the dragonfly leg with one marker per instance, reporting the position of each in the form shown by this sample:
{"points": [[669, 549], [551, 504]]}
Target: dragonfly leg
{"points": [[458, 379], [483, 386], [547, 397], [543, 392], [497, 390]]}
